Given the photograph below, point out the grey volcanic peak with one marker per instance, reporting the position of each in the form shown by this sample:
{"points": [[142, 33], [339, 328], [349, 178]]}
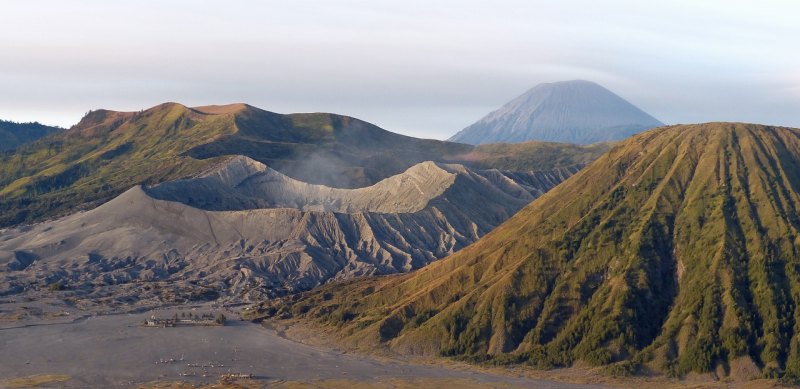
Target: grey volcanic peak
{"points": [[569, 111]]}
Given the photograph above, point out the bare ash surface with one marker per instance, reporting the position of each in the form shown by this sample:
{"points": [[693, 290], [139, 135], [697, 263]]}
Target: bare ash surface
{"points": [[115, 350]]}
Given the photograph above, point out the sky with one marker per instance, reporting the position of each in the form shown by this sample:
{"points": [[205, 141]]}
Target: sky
{"points": [[421, 68]]}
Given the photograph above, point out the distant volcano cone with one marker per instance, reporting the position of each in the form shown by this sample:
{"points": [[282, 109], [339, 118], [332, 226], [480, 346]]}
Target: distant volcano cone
{"points": [[677, 251], [568, 111]]}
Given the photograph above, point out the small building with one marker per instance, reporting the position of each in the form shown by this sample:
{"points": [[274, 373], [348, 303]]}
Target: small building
{"points": [[154, 321], [236, 375]]}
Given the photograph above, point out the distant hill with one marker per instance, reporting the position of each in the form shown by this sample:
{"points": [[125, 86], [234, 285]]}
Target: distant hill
{"points": [[675, 252], [13, 134], [531, 155], [569, 111], [108, 152]]}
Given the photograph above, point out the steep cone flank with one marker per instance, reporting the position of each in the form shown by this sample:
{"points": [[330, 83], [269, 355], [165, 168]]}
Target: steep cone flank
{"points": [[678, 250]]}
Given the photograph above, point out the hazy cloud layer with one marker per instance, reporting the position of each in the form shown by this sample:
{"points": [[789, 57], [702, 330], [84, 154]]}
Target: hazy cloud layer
{"points": [[417, 67]]}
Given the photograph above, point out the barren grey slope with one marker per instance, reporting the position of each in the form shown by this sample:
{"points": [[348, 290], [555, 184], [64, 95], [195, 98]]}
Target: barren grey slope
{"points": [[569, 111], [251, 231]]}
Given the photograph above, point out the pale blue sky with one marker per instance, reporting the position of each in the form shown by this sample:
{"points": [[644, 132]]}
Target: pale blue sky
{"points": [[423, 68]]}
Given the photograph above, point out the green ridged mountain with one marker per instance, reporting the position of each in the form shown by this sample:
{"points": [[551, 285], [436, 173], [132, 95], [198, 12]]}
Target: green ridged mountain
{"points": [[677, 251], [13, 134], [109, 152]]}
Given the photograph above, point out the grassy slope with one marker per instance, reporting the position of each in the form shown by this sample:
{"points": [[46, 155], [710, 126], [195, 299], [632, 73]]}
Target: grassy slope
{"points": [[676, 251], [12, 134], [108, 152]]}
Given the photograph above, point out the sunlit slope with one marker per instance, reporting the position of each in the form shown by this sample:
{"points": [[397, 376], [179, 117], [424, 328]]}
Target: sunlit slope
{"points": [[105, 154], [676, 251]]}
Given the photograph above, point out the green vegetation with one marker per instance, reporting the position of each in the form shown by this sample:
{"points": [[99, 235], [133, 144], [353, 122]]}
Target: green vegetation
{"points": [[102, 156], [109, 152], [676, 252], [12, 134], [36, 381], [221, 319], [56, 286], [532, 155]]}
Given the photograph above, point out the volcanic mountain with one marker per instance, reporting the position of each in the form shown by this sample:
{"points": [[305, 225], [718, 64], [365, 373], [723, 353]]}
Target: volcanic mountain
{"points": [[243, 231], [568, 111], [676, 251], [13, 134], [108, 152]]}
